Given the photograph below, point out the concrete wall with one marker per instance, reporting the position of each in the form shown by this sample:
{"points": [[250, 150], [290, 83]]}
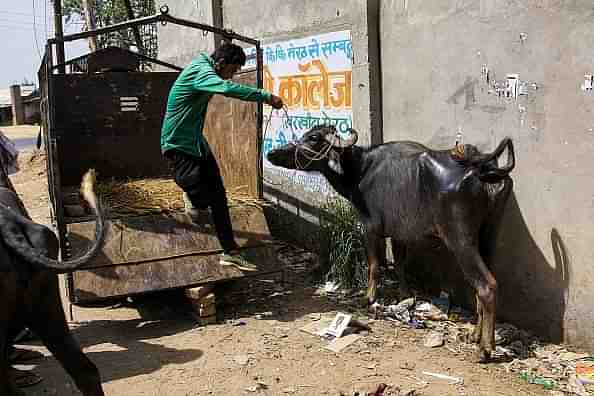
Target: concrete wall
{"points": [[282, 20], [432, 55], [178, 44]]}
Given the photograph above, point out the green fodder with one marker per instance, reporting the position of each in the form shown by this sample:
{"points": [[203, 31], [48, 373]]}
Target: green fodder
{"points": [[342, 248]]}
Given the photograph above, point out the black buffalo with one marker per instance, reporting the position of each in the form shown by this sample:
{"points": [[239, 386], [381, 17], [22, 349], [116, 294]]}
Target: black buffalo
{"points": [[409, 192], [29, 289]]}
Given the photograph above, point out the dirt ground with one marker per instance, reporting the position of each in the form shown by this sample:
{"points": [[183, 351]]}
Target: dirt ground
{"points": [[153, 346]]}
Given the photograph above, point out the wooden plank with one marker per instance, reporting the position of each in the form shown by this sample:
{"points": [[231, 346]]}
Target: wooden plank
{"points": [[232, 133], [122, 280], [158, 237]]}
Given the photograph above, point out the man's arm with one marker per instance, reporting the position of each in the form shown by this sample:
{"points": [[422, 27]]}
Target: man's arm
{"points": [[208, 81]]}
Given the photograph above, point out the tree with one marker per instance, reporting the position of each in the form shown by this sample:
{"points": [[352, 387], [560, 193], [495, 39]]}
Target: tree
{"points": [[108, 12]]}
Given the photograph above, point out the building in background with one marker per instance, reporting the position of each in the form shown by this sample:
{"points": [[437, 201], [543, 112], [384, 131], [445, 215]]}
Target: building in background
{"points": [[27, 108]]}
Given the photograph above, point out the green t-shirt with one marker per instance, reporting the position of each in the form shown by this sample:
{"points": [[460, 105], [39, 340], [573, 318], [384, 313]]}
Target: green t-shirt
{"points": [[188, 101]]}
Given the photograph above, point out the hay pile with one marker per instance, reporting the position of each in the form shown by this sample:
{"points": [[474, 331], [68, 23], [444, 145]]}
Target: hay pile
{"points": [[158, 195], [142, 196]]}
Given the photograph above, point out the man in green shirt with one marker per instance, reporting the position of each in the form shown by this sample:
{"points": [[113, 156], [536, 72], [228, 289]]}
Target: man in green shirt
{"points": [[183, 144]]}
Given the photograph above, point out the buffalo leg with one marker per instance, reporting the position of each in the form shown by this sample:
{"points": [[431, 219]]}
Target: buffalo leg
{"points": [[485, 285], [8, 315], [399, 252], [482, 280], [499, 195], [476, 334], [375, 245], [6, 385], [49, 323]]}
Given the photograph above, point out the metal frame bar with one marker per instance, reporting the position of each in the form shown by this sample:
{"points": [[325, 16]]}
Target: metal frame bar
{"points": [[260, 120], [164, 18]]}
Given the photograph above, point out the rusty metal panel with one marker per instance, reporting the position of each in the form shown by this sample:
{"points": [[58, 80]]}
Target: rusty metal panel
{"points": [[111, 122], [123, 280], [232, 132], [158, 237]]}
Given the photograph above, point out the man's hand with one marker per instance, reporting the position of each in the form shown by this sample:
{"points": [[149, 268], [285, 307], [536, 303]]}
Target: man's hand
{"points": [[276, 102]]}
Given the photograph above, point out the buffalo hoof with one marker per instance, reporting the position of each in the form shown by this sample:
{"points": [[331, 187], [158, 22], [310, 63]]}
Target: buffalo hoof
{"points": [[482, 356]]}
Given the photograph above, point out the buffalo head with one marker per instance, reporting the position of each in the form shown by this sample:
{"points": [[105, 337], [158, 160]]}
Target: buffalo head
{"points": [[488, 164], [317, 150]]}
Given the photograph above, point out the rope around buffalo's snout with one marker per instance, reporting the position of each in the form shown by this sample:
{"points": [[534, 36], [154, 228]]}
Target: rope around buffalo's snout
{"points": [[309, 154]]}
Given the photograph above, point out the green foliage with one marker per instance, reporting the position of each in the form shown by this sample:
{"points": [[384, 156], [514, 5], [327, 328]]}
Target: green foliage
{"points": [[343, 256], [109, 12], [106, 11]]}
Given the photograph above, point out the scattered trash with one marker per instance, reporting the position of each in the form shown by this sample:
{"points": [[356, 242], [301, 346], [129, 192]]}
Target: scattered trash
{"points": [[551, 363], [314, 316], [328, 288], [427, 311], [257, 387], [400, 311], [235, 323], [547, 383], [416, 324], [452, 380], [241, 360], [359, 325], [575, 386], [414, 313], [338, 344], [573, 356], [317, 328], [339, 324], [263, 315], [585, 372], [434, 340]]}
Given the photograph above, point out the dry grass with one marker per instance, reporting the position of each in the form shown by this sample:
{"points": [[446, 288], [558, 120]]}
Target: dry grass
{"points": [[148, 196]]}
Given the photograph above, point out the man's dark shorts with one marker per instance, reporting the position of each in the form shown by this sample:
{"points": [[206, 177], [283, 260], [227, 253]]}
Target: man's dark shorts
{"points": [[199, 177]]}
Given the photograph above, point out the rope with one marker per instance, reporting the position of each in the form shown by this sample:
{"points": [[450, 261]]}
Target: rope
{"points": [[309, 154], [261, 159]]}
